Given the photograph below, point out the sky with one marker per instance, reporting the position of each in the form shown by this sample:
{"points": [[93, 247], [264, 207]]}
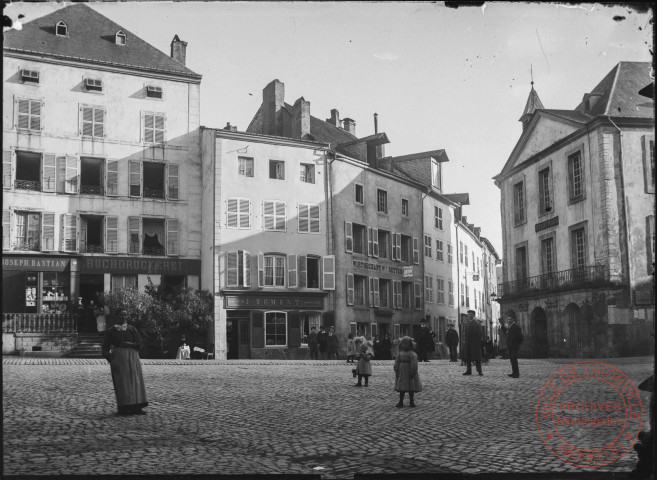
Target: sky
{"points": [[438, 77]]}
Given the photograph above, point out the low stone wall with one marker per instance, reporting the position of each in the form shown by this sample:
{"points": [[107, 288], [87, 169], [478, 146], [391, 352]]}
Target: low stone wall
{"points": [[8, 343], [47, 345]]}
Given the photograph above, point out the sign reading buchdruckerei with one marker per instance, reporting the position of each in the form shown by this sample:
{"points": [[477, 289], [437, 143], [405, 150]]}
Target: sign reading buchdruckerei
{"points": [[135, 265]]}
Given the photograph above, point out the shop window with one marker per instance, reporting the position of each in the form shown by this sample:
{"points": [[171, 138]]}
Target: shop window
{"points": [[55, 292], [123, 281], [91, 234], [28, 171], [173, 284], [275, 329], [91, 175], [308, 321]]}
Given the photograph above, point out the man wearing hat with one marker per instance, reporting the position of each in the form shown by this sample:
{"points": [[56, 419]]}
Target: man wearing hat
{"points": [[472, 345], [513, 340], [424, 342], [452, 340]]}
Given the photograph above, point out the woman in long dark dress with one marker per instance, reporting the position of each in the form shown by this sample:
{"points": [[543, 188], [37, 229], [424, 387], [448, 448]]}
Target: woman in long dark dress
{"points": [[121, 347]]}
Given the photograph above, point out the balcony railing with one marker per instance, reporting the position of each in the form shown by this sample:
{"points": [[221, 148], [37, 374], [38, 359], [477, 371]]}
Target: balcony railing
{"points": [[152, 193], [92, 248], [91, 189], [153, 251], [34, 185], [39, 323], [572, 279], [27, 245]]}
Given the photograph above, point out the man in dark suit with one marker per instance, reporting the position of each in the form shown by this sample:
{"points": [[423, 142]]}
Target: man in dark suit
{"points": [[425, 343], [452, 341], [321, 342], [472, 345], [513, 340]]}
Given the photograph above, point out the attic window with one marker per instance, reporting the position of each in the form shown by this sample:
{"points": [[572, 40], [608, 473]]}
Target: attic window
{"points": [[61, 29], [154, 91], [93, 85], [30, 76], [121, 38]]}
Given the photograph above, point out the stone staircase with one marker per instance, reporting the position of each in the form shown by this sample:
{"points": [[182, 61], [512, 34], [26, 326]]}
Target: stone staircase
{"points": [[88, 346]]}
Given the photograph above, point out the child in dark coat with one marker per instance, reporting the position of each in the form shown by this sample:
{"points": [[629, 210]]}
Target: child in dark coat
{"points": [[364, 367]]}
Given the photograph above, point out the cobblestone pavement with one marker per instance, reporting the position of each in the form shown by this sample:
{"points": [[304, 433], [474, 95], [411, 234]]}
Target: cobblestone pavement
{"points": [[268, 417]]}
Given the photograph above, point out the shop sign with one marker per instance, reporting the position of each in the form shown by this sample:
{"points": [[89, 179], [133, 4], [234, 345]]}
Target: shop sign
{"points": [[408, 272], [644, 297], [39, 264], [550, 222], [375, 267], [270, 301], [136, 265]]}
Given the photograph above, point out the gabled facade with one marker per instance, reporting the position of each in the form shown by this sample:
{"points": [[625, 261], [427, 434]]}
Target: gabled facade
{"points": [[578, 222], [101, 165]]}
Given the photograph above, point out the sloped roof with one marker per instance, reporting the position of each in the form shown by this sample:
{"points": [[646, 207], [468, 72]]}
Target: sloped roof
{"points": [[573, 115], [533, 103], [91, 38]]}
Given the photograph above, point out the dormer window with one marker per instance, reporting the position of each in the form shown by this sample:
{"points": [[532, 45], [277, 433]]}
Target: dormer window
{"points": [[154, 91], [61, 29], [121, 37], [29, 76], [93, 85]]}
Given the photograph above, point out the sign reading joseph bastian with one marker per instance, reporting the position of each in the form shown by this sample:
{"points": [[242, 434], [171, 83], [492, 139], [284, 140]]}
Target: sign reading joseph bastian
{"points": [[127, 265]]}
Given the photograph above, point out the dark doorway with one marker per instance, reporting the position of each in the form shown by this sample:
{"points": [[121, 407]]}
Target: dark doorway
{"points": [[91, 286], [540, 347]]}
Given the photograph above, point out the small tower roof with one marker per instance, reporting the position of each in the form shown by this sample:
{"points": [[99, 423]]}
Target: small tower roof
{"points": [[533, 103]]}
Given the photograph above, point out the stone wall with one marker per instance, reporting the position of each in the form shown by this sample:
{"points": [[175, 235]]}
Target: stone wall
{"points": [[51, 345]]}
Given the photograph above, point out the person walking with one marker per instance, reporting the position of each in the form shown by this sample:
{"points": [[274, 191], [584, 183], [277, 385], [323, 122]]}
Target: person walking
{"points": [[394, 351], [121, 345], [364, 368], [502, 344], [406, 376], [452, 341], [376, 341], [332, 344], [351, 348], [386, 346], [369, 344], [472, 344], [312, 343], [321, 342], [513, 340], [425, 343]]}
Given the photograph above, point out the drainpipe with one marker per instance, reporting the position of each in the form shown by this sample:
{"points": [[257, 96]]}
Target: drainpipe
{"points": [[458, 288]]}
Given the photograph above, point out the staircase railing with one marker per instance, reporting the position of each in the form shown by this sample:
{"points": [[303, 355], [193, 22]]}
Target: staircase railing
{"points": [[39, 323]]}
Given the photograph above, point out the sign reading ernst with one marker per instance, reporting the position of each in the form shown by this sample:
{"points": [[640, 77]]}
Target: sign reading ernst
{"points": [[266, 301]]}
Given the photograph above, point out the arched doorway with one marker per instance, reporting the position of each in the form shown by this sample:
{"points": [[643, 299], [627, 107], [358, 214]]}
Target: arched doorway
{"points": [[539, 332]]}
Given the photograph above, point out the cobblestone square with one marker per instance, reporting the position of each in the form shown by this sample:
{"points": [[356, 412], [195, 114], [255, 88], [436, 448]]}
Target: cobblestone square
{"points": [[267, 417]]}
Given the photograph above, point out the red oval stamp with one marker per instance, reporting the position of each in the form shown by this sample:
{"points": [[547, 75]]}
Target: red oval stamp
{"points": [[589, 414]]}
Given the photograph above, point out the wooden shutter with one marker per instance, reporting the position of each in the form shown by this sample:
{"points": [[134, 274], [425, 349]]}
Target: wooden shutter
{"points": [[261, 269], [83, 235], [258, 322], [398, 294], [99, 122], [160, 125], [281, 218], [292, 271], [244, 213], [398, 247], [350, 289], [173, 236], [135, 178], [232, 265], [418, 295], [394, 294], [147, 122], [173, 182], [416, 250], [86, 121], [348, 237], [8, 161], [71, 185], [370, 291], [294, 332], [231, 212], [49, 172], [314, 218], [69, 232], [375, 242], [302, 273], [328, 272], [375, 285], [61, 174], [112, 178], [112, 234], [394, 246], [304, 221], [247, 269], [23, 116], [47, 231], [134, 234], [268, 214], [370, 248], [6, 229]]}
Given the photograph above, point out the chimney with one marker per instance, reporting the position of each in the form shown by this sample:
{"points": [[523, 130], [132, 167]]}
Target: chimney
{"points": [[590, 99], [178, 50], [335, 118], [380, 149], [376, 123], [273, 99], [301, 118], [349, 125]]}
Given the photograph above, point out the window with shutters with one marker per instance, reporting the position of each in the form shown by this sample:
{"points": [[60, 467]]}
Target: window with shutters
{"points": [[385, 289], [381, 201], [450, 293], [450, 256], [112, 178], [153, 180], [275, 329], [91, 234], [360, 239], [238, 269], [439, 251], [467, 296], [397, 294], [274, 215], [134, 235], [27, 171], [440, 289], [307, 173], [276, 169], [154, 127], [29, 114], [245, 166], [93, 85], [462, 295], [27, 231], [238, 213], [427, 246], [428, 289], [173, 182], [576, 186], [111, 234], [407, 294], [384, 243], [465, 254], [92, 175], [312, 271], [308, 218], [358, 194], [173, 236], [69, 235], [406, 248], [519, 203], [92, 122], [154, 236], [134, 178], [417, 287], [360, 290], [6, 229], [404, 207], [328, 272], [274, 271]]}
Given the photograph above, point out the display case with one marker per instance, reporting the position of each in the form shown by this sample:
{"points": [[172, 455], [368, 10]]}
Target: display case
{"points": [[54, 292]]}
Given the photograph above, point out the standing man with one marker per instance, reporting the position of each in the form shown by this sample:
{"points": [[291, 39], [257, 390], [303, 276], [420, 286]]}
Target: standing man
{"points": [[513, 340], [312, 343], [501, 333], [424, 342], [332, 344], [472, 334], [321, 342], [452, 341]]}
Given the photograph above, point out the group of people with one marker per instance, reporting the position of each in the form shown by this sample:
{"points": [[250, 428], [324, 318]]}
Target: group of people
{"points": [[323, 345]]}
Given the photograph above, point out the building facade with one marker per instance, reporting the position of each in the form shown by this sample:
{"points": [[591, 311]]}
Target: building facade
{"points": [[101, 165], [578, 222]]}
